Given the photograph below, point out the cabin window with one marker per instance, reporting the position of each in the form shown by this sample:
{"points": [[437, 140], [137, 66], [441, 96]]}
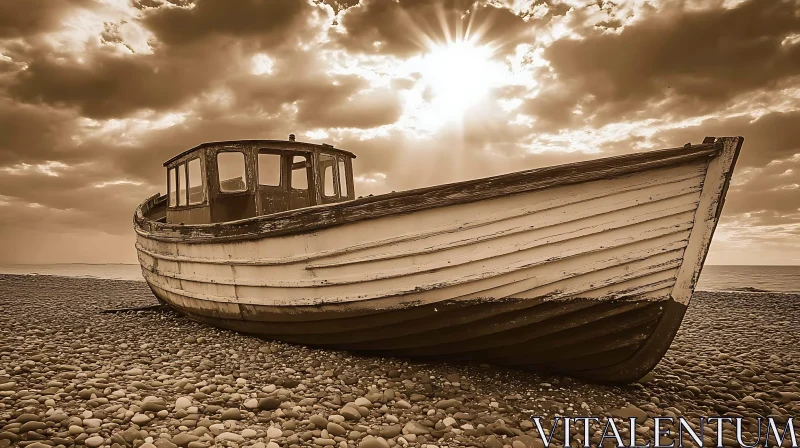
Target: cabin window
{"points": [[171, 187], [327, 165], [182, 184], [343, 179], [196, 195], [232, 174], [269, 169], [300, 173]]}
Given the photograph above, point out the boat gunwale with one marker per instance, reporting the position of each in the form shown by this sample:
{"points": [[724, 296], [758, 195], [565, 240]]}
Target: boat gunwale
{"points": [[318, 217]]}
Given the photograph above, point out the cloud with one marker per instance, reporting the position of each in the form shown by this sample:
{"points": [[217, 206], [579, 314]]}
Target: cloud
{"points": [[103, 83], [94, 96], [36, 16], [322, 99], [33, 134], [764, 191], [408, 27], [194, 49], [679, 61], [268, 22], [773, 136]]}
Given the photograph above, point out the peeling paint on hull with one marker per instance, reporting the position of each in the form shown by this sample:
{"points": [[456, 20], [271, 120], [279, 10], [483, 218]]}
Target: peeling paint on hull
{"points": [[587, 273]]}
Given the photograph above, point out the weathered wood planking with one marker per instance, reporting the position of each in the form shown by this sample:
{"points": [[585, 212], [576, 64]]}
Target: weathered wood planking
{"points": [[584, 268], [458, 219], [715, 186]]}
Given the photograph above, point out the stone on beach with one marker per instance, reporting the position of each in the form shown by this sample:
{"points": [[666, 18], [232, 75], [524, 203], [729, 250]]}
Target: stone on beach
{"points": [[183, 439], [350, 413], [336, 429], [629, 412], [318, 421], [390, 431], [140, 419], [231, 414], [71, 376], [415, 428], [182, 403], [94, 442], [269, 404], [373, 442], [274, 433], [230, 437]]}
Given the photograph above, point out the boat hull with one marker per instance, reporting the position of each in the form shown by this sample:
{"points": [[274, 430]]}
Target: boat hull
{"points": [[589, 278]]}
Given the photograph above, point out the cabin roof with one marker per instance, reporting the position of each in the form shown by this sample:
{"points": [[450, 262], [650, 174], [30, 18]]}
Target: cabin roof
{"points": [[275, 144]]}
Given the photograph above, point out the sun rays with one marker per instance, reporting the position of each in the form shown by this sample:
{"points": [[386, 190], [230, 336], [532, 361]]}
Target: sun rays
{"points": [[456, 68]]}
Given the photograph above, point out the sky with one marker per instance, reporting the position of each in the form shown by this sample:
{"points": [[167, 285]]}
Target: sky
{"points": [[96, 94]]}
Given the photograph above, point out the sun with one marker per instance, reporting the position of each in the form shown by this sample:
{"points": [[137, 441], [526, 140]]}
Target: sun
{"points": [[457, 75]]}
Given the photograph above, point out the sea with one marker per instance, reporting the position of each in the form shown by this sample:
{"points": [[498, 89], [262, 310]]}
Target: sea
{"points": [[714, 277]]}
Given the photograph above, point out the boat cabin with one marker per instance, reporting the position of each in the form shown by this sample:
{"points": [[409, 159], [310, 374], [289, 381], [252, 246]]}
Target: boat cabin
{"points": [[226, 181]]}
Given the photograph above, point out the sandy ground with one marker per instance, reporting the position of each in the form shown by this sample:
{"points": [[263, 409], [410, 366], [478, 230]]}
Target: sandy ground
{"points": [[70, 375]]}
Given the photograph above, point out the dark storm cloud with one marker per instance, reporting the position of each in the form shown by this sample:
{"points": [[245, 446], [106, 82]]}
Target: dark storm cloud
{"points": [[22, 19], [774, 136], [402, 27], [34, 134], [142, 160], [110, 85], [671, 63], [74, 193], [195, 48], [322, 99], [697, 59], [270, 22], [364, 110], [770, 198], [553, 109]]}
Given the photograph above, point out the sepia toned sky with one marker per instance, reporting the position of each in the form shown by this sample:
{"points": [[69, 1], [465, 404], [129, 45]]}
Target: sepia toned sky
{"points": [[96, 94]]}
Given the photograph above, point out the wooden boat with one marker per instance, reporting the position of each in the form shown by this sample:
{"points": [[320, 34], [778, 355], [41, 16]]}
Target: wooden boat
{"points": [[585, 268]]}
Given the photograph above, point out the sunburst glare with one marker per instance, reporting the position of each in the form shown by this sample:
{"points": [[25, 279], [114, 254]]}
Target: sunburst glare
{"points": [[454, 77], [459, 74]]}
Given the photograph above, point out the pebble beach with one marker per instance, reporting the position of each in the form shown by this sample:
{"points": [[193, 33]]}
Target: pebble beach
{"points": [[70, 375]]}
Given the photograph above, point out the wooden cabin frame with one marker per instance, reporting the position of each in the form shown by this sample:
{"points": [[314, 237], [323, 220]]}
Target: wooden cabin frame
{"points": [[196, 193]]}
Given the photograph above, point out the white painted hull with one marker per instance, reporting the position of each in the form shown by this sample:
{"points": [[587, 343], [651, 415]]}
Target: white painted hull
{"points": [[574, 278]]}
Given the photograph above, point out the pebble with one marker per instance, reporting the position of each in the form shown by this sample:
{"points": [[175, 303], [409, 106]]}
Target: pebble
{"points": [[183, 439], [318, 421], [231, 414], [182, 403], [140, 419], [390, 431], [350, 413], [373, 442], [629, 412], [72, 376], [415, 428], [335, 429], [269, 404], [230, 437], [274, 433], [94, 442]]}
